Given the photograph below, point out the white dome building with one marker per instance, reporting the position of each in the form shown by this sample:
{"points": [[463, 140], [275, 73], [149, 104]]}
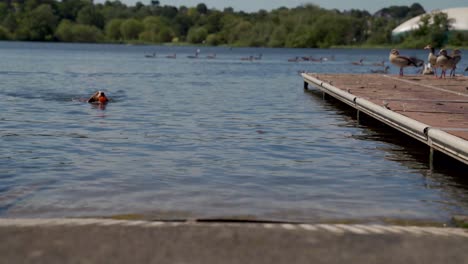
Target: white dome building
{"points": [[459, 16]]}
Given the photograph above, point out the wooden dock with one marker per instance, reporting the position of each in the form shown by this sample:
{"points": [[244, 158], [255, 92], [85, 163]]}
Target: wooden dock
{"points": [[433, 111]]}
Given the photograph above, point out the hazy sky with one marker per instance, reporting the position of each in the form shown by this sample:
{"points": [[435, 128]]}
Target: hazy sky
{"points": [[255, 5]]}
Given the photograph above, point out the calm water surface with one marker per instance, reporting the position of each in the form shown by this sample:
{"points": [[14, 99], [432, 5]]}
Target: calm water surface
{"points": [[200, 137]]}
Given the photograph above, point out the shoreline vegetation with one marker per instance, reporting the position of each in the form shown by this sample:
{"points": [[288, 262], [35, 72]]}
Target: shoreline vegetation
{"points": [[305, 26]]}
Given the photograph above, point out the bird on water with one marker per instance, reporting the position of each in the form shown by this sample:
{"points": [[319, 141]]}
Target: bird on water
{"points": [[358, 63], [402, 61], [385, 70]]}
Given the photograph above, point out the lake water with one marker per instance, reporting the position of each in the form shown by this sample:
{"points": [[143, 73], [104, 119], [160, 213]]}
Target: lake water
{"points": [[203, 138]]}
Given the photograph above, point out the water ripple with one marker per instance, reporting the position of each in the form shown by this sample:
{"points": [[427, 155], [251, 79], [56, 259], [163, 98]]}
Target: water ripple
{"points": [[202, 138]]}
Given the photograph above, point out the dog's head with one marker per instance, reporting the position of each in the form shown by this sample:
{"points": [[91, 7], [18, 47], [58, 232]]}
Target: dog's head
{"points": [[98, 97]]}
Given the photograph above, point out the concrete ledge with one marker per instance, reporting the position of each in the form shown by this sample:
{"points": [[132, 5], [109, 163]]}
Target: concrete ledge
{"points": [[330, 228], [121, 241]]}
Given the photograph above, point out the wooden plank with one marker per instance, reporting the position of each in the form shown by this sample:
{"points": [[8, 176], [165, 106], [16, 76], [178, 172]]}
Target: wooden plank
{"points": [[437, 103]]}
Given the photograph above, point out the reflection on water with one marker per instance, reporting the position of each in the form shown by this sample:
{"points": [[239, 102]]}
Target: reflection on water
{"points": [[445, 173], [206, 138]]}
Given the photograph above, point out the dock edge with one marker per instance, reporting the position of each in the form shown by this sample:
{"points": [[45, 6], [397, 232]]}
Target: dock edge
{"points": [[435, 138]]}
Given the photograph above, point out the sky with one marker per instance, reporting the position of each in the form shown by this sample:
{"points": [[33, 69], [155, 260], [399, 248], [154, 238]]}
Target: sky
{"points": [[255, 5]]}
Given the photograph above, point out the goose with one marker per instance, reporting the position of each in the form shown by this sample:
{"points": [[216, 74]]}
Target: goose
{"points": [[432, 58], [259, 57], [443, 62], [250, 58], [310, 58], [211, 56], [173, 56], [359, 63], [456, 58], [196, 55], [385, 70], [151, 55], [428, 69], [382, 63], [401, 61], [316, 60], [98, 97]]}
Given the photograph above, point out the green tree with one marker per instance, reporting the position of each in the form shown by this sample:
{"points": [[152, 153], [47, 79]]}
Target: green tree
{"points": [[88, 15], [183, 23], [64, 31], [202, 9], [68, 9], [197, 35], [38, 25], [169, 12], [278, 37], [303, 26], [87, 33], [115, 10], [165, 34], [156, 30], [380, 31], [10, 22], [4, 34], [113, 29], [433, 28], [213, 40], [3, 10], [131, 29], [458, 39], [68, 31], [213, 22]]}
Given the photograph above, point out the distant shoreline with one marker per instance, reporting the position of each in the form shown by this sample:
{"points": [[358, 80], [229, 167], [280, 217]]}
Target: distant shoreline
{"points": [[186, 44]]}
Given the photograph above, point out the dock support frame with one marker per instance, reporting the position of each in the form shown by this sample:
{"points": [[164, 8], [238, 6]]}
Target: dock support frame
{"points": [[435, 138]]}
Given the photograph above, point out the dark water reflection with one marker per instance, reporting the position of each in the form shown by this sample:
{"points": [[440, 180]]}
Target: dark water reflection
{"points": [[206, 138]]}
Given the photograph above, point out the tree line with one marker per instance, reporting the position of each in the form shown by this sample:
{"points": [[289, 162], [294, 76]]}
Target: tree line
{"points": [[306, 26]]}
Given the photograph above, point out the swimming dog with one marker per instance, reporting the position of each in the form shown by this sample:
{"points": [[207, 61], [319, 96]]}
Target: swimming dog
{"points": [[98, 97]]}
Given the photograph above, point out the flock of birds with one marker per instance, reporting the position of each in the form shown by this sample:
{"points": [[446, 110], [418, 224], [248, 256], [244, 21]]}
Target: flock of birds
{"points": [[310, 58], [174, 55], [441, 61]]}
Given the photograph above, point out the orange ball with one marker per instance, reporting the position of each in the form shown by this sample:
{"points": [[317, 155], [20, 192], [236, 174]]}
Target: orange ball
{"points": [[103, 99]]}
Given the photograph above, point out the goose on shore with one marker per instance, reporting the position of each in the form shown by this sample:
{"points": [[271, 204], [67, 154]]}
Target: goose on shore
{"points": [[402, 61], [427, 70], [432, 58], [443, 62], [456, 58]]}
